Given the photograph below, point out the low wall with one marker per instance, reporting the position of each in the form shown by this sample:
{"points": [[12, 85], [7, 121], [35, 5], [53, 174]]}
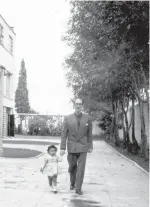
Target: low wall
{"points": [[137, 123], [96, 128]]}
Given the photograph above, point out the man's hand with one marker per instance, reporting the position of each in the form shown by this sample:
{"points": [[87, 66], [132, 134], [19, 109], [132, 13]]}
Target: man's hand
{"points": [[90, 150], [62, 152]]}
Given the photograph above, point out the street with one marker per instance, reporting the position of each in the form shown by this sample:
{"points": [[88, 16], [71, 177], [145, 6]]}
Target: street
{"points": [[110, 181]]}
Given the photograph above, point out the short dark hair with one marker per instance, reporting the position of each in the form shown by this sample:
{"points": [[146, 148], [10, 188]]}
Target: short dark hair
{"points": [[51, 147]]}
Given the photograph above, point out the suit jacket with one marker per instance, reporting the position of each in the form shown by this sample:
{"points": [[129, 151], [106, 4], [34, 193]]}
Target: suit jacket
{"points": [[77, 140]]}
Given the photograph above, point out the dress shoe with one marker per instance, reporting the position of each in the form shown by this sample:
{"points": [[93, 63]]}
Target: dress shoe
{"points": [[72, 187], [79, 192]]}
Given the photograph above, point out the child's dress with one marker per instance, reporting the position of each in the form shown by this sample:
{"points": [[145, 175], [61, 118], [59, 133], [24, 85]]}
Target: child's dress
{"points": [[52, 167]]}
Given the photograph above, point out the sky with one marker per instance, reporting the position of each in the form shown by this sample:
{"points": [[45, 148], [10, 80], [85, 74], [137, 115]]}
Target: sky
{"points": [[39, 26]]}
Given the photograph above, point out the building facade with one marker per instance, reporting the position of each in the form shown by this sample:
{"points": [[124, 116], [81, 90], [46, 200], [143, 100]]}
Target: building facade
{"points": [[7, 77]]}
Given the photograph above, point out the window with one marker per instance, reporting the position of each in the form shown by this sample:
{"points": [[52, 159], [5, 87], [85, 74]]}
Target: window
{"points": [[1, 34], [7, 85], [11, 44]]}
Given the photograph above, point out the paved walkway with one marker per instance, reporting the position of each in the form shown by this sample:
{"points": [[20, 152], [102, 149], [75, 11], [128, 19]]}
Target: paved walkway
{"points": [[110, 181]]}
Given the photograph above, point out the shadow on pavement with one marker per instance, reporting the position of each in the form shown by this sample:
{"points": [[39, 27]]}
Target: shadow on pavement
{"points": [[84, 203]]}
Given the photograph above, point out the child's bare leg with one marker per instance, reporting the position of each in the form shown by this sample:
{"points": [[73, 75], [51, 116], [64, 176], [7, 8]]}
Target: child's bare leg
{"points": [[50, 180], [54, 181]]}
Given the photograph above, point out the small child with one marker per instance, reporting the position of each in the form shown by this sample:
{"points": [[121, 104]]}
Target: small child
{"points": [[50, 167]]}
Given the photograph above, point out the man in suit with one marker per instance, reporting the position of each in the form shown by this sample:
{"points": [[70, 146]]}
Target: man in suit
{"points": [[77, 134]]}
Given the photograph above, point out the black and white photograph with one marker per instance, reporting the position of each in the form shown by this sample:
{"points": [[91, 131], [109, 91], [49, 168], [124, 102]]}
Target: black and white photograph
{"points": [[74, 103]]}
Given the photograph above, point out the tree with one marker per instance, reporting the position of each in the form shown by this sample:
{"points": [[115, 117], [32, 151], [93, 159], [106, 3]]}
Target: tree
{"points": [[109, 62], [131, 25], [21, 96], [32, 111], [93, 56], [105, 123]]}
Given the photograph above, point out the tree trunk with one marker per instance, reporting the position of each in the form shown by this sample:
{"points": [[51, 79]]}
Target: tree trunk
{"points": [[123, 127], [133, 120], [116, 133], [126, 128], [145, 86], [112, 124], [135, 146], [144, 146], [136, 89]]}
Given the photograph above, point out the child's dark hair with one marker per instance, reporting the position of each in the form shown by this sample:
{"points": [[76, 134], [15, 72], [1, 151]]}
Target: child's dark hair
{"points": [[51, 147]]}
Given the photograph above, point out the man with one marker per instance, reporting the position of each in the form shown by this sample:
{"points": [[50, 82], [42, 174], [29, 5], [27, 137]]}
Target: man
{"points": [[77, 132]]}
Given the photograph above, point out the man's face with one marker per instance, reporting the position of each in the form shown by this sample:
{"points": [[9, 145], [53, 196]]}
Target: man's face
{"points": [[78, 105]]}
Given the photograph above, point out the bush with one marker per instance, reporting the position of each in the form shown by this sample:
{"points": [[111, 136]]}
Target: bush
{"points": [[44, 131], [105, 122], [45, 126]]}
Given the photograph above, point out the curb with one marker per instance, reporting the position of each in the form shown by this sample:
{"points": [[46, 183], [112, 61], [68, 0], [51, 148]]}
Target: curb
{"points": [[37, 156], [126, 158]]}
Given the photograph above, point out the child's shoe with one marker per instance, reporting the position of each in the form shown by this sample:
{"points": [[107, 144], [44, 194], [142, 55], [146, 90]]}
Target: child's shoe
{"points": [[55, 190]]}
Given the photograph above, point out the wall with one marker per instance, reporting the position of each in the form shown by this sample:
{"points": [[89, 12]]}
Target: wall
{"points": [[1, 108], [138, 124], [96, 129], [7, 61]]}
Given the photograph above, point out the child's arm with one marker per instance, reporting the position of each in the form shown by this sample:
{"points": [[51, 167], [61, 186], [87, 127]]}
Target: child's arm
{"points": [[45, 162], [60, 158]]}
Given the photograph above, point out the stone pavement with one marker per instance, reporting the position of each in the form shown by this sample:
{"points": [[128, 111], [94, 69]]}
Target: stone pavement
{"points": [[110, 181]]}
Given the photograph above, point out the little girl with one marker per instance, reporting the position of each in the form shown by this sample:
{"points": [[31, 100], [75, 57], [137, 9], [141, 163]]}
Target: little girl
{"points": [[50, 167]]}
